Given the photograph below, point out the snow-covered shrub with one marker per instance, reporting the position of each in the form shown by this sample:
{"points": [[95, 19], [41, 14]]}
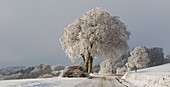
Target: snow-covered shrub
{"points": [[14, 76], [40, 70], [56, 73], [46, 76], [57, 67], [110, 66], [121, 70], [73, 71], [24, 71]]}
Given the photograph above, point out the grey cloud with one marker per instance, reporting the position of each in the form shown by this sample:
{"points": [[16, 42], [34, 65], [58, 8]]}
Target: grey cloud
{"points": [[30, 30]]}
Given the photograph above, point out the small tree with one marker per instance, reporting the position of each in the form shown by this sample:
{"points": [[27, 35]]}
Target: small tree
{"points": [[138, 59], [96, 33]]}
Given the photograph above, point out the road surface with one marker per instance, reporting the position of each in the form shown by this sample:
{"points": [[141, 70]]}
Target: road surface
{"points": [[96, 81], [101, 81]]}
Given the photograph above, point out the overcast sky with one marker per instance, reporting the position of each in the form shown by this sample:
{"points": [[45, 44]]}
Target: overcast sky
{"points": [[30, 29]]}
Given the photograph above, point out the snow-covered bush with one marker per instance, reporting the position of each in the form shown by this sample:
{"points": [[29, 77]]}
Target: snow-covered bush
{"points": [[14, 76], [40, 70], [73, 71], [121, 70], [56, 73], [57, 67], [94, 34], [139, 58], [110, 66], [46, 76]]}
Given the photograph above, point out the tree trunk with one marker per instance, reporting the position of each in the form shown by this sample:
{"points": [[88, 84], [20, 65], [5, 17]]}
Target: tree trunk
{"points": [[90, 64], [86, 65]]}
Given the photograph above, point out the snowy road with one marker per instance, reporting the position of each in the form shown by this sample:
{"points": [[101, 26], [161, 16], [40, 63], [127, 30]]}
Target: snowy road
{"points": [[106, 81], [96, 81]]}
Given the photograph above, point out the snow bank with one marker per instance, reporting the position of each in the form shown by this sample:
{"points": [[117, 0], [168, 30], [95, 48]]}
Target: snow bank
{"points": [[45, 82], [158, 76]]}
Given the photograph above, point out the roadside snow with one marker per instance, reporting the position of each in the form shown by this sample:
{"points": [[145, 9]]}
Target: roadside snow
{"points": [[46, 82], [96, 81], [158, 76]]}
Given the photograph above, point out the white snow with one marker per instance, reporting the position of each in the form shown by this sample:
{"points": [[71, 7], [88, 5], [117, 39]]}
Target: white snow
{"points": [[158, 76], [45, 82]]}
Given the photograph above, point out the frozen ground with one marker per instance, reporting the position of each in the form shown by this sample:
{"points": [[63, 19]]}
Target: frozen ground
{"points": [[158, 76], [96, 81], [47, 82]]}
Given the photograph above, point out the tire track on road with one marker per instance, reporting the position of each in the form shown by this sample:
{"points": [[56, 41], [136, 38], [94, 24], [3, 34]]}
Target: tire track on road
{"points": [[100, 82]]}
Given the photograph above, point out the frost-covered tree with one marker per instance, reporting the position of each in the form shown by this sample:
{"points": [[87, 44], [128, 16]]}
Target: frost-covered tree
{"points": [[110, 65], [139, 58], [94, 34]]}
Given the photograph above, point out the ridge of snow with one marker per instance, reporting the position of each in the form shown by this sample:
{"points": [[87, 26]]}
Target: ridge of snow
{"points": [[158, 76]]}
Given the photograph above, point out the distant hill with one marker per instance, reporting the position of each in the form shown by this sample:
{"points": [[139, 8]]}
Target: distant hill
{"points": [[11, 69]]}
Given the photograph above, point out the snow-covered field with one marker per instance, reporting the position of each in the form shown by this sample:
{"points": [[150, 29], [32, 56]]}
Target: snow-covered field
{"points": [[96, 81], [45, 82], [158, 76]]}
